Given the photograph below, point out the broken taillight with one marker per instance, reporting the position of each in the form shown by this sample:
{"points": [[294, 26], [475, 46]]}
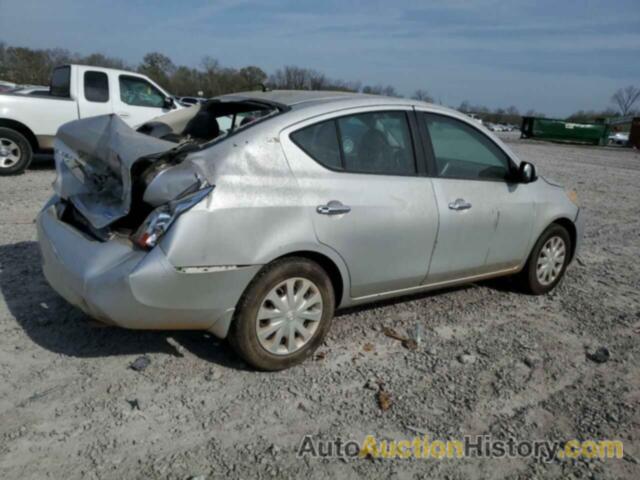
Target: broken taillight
{"points": [[159, 220]]}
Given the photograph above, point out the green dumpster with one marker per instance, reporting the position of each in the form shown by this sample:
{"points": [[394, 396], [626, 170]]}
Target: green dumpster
{"points": [[553, 129]]}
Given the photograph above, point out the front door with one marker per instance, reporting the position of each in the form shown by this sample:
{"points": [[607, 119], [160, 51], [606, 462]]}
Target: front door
{"points": [[485, 218], [366, 198]]}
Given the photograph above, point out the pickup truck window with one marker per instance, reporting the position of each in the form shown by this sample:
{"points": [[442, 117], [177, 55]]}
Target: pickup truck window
{"points": [[61, 82], [138, 92], [96, 87]]}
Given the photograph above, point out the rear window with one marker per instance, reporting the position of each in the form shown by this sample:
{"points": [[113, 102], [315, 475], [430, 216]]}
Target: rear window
{"points": [[96, 87], [61, 82]]}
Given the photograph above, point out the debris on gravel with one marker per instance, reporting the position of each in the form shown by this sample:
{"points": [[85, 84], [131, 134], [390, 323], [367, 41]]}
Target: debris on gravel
{"points": [[467, 358], [384, 400], [601, 355], [140, 364]]}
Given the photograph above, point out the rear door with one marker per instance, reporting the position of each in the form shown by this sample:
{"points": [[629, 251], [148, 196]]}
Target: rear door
{"points": [[94, 93], [368, 198], [485, 218], [137, 100]]}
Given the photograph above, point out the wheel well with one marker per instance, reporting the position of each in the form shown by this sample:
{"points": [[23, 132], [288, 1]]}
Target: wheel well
{"points": [[571, 228], [23, 129], [329, 266]]}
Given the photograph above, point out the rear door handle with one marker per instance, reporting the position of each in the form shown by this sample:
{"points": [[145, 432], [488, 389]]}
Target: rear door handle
{"points": [[334, 207], [460, 204]]}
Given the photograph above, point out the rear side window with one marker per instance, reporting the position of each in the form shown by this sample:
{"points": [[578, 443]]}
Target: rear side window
{"points": [[376, 142], [96, 87], [140, 93], [320, 142], [61, 82]]}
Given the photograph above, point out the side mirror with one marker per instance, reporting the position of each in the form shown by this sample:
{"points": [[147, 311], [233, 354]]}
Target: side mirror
{"points": [[169, 103], [527, 173]]}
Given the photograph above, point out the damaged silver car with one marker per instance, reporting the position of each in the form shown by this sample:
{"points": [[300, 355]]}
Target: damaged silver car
{"points": [[255, 216]]}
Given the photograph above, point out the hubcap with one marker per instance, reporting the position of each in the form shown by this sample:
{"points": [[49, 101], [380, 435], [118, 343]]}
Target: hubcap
{"points": [[551, 260], [289, 316], [9, 153]]}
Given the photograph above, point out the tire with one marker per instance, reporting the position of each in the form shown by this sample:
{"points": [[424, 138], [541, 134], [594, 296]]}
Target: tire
{"points": [[314, 295], [15, 152], [546, 252]]}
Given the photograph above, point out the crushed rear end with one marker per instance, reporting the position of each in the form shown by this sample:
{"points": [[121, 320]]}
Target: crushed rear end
{"points": [[117, 192]]}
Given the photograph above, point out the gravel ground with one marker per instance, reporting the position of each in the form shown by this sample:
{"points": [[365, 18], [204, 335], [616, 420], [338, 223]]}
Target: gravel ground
{"points": [[491, 361]]}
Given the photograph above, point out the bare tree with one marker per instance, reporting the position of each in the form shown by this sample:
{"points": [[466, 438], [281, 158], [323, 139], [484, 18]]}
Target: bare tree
{"points": [[388, 90], [465, 106], [159, 67], [625, 98], [422, 95]]}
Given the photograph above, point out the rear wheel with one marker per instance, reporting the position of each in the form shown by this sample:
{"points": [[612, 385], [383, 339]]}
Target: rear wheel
{"points": [[283, 315], [15, 152], [548, 261]]}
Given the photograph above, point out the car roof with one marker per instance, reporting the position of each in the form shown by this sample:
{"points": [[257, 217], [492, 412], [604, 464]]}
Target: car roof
{"points": [[299, 99]]}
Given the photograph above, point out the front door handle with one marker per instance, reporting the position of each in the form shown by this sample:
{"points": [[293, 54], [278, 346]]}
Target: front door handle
{"points": [[124, 114], [334, 207], [460, 204]]}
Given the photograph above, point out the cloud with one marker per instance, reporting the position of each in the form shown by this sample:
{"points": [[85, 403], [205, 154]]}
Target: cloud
{"points": [[487, 51]]}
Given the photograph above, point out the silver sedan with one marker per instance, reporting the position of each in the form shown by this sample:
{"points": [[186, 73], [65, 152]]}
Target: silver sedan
{"points": [[255, 216]]}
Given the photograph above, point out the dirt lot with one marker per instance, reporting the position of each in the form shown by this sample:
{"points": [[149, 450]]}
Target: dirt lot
{"points": [[491, 361]]}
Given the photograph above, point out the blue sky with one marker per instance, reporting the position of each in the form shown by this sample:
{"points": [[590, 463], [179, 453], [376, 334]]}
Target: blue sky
{"points": [[553, 56]]}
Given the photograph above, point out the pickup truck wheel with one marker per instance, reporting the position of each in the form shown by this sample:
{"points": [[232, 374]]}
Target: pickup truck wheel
{"points": [[15, 152], [283, 315]]}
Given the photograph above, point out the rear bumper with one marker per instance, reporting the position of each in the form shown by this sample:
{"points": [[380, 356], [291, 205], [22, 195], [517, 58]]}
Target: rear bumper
{"points": [[120, 285]]}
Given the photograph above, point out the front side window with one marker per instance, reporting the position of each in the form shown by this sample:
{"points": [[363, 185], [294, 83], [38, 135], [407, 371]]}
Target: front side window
{"points": [[376, 142], [461, 151], [96, 87], [140, 93]]}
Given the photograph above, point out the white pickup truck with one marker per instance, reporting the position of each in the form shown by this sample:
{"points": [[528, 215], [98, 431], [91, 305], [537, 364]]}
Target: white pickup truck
{"points": [[28, 123]]}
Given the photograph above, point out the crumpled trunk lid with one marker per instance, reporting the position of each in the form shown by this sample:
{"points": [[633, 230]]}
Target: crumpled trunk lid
{"points": [[94, 157]]}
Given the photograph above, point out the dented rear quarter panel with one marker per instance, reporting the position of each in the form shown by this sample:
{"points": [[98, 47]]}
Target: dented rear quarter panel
{"points": [[255, 213]]}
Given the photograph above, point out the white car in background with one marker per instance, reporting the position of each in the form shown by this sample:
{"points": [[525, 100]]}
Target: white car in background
{"points": [[619, 138], [29, 122]]}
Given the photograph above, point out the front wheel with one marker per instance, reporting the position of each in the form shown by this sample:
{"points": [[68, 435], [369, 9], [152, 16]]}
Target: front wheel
{"points": [[283, 315], [15, 152], [548, 261]]}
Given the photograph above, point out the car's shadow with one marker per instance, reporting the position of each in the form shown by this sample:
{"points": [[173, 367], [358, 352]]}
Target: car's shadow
{"points": [[42, 161], [61, 328]]}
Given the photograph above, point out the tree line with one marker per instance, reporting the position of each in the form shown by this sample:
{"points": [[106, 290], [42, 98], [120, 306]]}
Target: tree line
{"points": [[26, 66], [23, 65]]}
